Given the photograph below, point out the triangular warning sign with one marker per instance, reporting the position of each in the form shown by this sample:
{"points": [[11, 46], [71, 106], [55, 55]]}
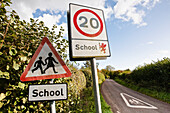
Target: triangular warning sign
{"points": [[46, 63], [136, 103]]}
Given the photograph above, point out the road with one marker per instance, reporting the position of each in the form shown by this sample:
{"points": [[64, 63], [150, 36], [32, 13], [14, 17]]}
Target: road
{"points": [[125, 100]]}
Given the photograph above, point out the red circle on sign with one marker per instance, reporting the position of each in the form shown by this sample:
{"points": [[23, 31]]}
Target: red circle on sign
{"points": [[82, 32]]}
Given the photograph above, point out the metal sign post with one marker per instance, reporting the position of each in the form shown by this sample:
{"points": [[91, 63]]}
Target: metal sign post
{"points": [[96, 86], [53, 109]]}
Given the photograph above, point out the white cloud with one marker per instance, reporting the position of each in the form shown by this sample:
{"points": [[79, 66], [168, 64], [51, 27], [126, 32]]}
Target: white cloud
{"points": [[155, 56], [49, 20], [25, 8], [126, 10], [149, 43], [163, 52], [129, 10]]}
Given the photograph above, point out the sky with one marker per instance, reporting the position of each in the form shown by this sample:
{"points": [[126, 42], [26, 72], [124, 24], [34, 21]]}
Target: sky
{"points": [[138, 30]]}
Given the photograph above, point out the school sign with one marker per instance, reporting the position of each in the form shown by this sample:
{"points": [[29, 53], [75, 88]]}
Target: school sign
{"points": [[46, 63]]}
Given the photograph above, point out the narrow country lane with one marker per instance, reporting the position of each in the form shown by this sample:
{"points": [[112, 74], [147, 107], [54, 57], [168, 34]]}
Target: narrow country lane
{"points": [[125, 100]]}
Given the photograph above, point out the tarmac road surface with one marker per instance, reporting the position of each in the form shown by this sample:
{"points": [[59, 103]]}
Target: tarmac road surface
{"points": [[125, 100]]}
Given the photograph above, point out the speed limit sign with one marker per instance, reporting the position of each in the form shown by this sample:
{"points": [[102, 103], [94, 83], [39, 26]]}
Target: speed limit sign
{"points": [[87, 32]]}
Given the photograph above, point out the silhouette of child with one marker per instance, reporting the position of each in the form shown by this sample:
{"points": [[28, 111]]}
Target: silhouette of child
{"points": [[38, 64], [50, 63]]}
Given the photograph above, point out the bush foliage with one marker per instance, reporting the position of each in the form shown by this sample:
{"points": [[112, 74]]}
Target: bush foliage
{"points": [[18, 42], [155, 75]]}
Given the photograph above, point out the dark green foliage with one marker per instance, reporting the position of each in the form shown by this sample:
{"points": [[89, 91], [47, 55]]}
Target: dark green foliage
{"points": [[161, 95], [155, 75], [87, 100], [87, 94], [151, 79], [88, 75]]}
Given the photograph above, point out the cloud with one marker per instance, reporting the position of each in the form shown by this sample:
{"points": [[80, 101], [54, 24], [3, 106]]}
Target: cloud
{"points": [[129, 10], [49, 20], [25, 8], [163, 52], [149, 43], [126, 10], [155, 56]]}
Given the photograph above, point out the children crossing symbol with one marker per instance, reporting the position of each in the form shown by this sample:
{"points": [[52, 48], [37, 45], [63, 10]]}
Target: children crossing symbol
{"points": [[50, 60], [38, 64]]}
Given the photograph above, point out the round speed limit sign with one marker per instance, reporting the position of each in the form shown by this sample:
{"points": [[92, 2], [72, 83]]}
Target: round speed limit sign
{"points": [[87, 23], [95, 23]]}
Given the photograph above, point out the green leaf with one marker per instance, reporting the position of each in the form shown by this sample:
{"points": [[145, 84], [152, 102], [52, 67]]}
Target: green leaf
{"points": [[10, 52], [1, 104], [1, 73], [6, 74], [29, 54], [31, 106], [2, 5], [23, 58], [15, 65], [15, 26], [21, 85], [8, 93], [24, 100], [7, 67], [1, 53]]}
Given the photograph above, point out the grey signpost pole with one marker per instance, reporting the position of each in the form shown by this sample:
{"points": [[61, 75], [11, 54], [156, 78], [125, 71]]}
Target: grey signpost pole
{"points": [[96, 86], [53, 109]]}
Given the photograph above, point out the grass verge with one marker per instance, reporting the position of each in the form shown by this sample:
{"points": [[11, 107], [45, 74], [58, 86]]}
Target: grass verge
{"points": [[160, 95], [88, 103], [105, 107]]}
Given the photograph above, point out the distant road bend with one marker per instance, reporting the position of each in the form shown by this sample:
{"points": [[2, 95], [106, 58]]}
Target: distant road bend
{"points": [[125, 100]]}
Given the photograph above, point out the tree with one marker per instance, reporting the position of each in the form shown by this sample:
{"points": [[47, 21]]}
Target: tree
{"points": [[109, 68], [87, 64], [97, 65], [18, 42]]}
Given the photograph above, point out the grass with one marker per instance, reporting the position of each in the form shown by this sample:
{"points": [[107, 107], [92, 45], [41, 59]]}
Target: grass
{"points": [[160, 95], [105, 107], [88, 104]]}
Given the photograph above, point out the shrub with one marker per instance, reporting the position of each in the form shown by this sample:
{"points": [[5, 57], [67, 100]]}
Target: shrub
{"points": [[154, 75]]}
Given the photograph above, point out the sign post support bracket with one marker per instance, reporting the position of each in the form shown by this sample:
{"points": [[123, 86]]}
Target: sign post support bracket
{"points": [[95, 85], [53, 108]]}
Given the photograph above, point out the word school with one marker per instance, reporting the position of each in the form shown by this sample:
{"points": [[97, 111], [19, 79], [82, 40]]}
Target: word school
{"points": [[44, 93]]}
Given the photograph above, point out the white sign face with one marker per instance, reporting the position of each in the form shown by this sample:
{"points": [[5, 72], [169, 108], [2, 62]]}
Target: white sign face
{"points": [[87, 23], [44, 54], [48, 92], [88, 48], [88, 35], [34, 71]]}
